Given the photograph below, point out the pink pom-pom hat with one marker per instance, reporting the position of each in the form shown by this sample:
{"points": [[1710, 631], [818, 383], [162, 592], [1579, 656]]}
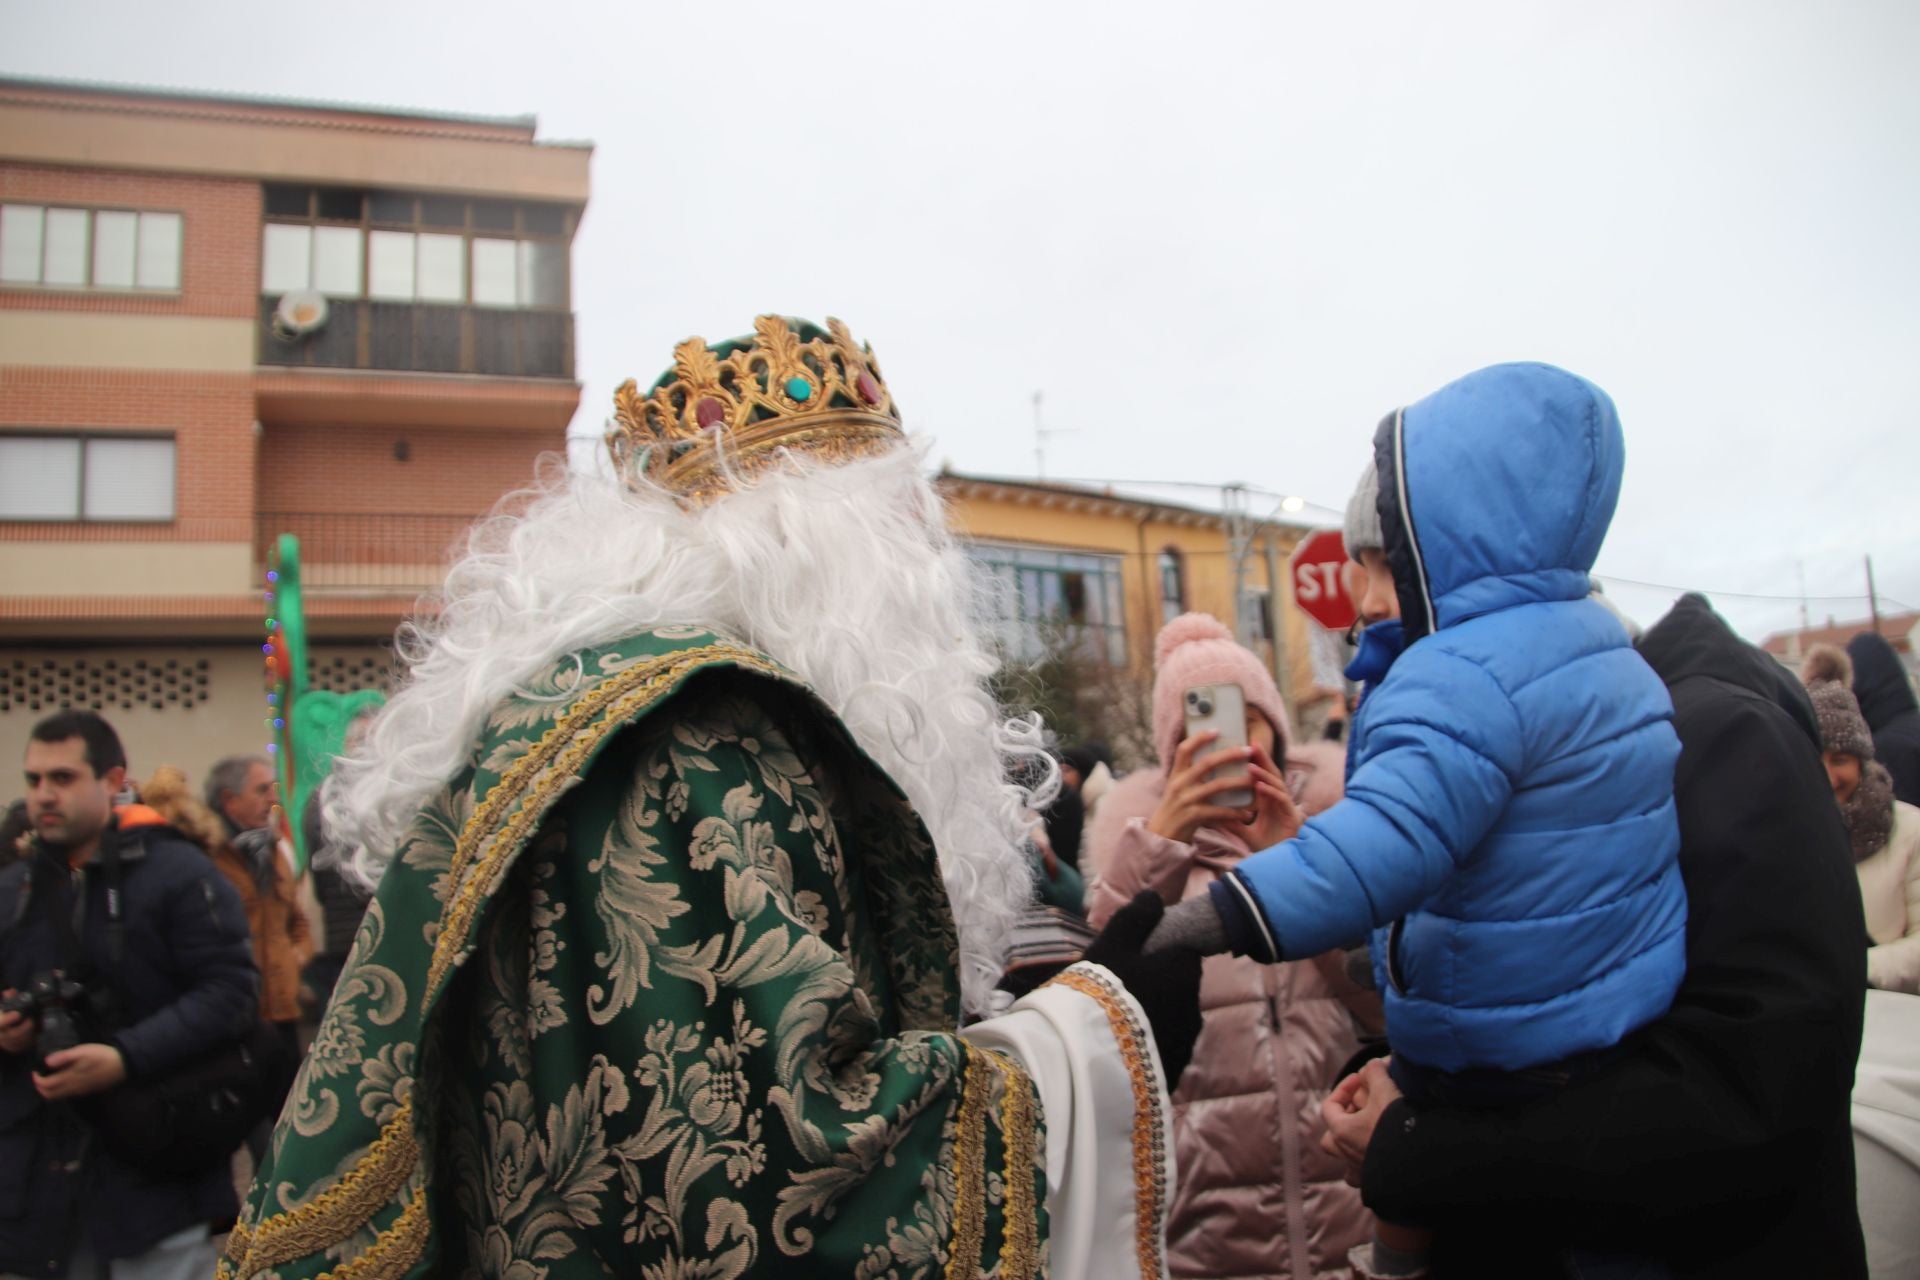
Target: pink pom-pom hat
{"points": [[1195, 649]]}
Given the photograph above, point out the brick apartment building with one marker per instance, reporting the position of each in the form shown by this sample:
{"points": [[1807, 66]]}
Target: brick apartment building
{"points": [[159, 429]]}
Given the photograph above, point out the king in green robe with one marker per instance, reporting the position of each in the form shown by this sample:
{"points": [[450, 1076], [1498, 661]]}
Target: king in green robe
{"points": [[664, 982]]}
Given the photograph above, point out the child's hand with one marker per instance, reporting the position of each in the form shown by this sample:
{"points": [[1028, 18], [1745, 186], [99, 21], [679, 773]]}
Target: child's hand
{"points": [[1188, 804], [1276, 816]]}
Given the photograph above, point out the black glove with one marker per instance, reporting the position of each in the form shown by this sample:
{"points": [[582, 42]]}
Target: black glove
{"points": [[1167, 983]]}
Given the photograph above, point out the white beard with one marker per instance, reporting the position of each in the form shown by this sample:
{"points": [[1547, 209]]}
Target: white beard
{"points": [[844, 574]]}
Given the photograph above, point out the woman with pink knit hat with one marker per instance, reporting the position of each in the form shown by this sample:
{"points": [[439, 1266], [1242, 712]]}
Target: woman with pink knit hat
{"points": [[1256, 1196]]}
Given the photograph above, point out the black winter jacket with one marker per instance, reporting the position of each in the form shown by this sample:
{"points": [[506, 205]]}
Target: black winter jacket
{"points": [[186, 984], [1887, 701], [1718, 1139]]}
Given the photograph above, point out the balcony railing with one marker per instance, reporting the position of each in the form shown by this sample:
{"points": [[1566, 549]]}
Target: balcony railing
{"points": [[351, 553], [424, 338]]}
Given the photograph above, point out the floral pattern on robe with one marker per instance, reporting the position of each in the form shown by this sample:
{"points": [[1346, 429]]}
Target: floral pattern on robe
{"points": [[664, 985]]}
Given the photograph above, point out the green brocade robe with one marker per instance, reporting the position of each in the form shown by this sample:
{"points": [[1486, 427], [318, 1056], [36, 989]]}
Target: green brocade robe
{"points": [[663, 984]]}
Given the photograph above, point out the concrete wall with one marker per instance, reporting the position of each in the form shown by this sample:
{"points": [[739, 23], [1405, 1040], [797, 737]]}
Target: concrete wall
{"points": [[211, 698], [264, 144]]}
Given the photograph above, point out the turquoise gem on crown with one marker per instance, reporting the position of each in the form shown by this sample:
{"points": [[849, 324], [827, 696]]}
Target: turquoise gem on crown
{"points": [[800, 389]]}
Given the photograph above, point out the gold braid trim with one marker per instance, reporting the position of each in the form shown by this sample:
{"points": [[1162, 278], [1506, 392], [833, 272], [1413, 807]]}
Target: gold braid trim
{"points": [[970, 1172], [1149, 1126], [1020, 1230], [350, 1204], [394, 1250], [354, 1199]]}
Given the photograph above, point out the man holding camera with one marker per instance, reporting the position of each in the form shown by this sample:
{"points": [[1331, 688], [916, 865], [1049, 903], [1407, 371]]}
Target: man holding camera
{"points": [[123, 955]]}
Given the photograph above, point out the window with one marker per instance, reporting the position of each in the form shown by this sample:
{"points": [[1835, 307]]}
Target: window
{"points": [[89, 248], [543, 273], [113, 248], [495, 274], [519, 273], [405, 267], [390, 264], [322, 258], [1256, 613], [417, 248], [1041, 599], [1173, 584], [441, 276], [86, 477]]}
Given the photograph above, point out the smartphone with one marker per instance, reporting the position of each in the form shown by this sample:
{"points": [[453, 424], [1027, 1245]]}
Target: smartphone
{"points": [[1222, 708]]}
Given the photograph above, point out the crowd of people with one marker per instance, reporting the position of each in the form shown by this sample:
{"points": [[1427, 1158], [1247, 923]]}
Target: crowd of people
{"points": [[725, 926], [187, 947]]}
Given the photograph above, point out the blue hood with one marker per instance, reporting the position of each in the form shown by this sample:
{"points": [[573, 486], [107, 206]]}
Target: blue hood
{"points": [[1496, 491]]}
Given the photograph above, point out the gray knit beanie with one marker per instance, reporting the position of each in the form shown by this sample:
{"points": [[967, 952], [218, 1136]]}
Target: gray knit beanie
{"points": [[1363, 514], [1842, 728]]}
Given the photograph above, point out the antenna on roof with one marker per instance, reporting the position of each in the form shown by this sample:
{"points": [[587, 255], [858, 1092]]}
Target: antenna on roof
{"points": [[1040, 435]]}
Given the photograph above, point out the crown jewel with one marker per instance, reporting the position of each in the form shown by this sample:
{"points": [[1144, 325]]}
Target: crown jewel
{"points": [[789, 387]]}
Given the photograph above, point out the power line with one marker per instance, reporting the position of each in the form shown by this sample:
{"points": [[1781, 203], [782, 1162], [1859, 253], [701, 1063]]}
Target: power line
{"points": [[1750, 595], [1609, 577]]}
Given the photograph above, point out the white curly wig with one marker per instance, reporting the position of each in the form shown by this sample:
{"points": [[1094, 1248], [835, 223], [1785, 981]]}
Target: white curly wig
{"points": [[846, 574]]}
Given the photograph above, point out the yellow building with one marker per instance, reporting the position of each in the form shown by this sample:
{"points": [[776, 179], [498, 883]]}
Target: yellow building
{"points": [[1105, 571]]}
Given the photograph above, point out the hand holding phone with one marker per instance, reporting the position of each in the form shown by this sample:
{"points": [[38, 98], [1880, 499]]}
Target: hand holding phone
{"points": [[1222, 708], [1209, 783]]}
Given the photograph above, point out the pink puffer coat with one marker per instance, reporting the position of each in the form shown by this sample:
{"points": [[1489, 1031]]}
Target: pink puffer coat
{"points": [[1256, 1195]]}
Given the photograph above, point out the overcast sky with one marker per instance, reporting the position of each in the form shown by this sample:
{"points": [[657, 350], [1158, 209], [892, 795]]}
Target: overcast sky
{"points": [[1224, 240]]}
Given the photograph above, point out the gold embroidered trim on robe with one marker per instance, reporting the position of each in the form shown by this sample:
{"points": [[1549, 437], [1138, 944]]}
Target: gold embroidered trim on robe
{"points": [[356, 1197], [1020, 1216], [1149, 1132], [970, 1171]]}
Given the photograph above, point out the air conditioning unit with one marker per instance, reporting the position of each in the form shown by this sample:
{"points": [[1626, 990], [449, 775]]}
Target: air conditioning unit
{"points": [[299, 313]]}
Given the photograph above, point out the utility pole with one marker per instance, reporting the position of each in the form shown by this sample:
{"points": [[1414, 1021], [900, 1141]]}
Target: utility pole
{"points": [[1278, 623], [1239, 542], [1873, 599]]}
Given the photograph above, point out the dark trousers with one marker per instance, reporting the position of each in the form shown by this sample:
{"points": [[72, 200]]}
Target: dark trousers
{"points": [[1486, 1089]]}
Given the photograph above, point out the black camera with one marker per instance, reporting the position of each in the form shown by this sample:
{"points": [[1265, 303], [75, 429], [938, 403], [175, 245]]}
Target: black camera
{"points": [[50, 999]]}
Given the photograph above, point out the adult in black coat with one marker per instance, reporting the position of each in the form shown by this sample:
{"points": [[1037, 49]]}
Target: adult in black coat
{"points": [[182, 982], [1717, 1140], [1886, 700]]}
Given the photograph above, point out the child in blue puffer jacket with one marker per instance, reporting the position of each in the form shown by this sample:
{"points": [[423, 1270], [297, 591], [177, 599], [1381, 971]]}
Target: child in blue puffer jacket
{"points": [[1508, 832]]}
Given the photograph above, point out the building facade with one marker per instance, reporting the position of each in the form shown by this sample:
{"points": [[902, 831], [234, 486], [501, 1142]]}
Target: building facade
{"points": [[1099, 573], [222, 320]]}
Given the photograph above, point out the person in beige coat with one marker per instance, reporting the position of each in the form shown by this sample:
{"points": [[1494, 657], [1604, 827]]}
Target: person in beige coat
{"points": [[1885, 832], [1256, 1195]]}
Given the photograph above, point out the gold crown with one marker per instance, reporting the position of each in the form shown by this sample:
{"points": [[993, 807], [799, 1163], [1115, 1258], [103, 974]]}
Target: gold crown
{"points": [[790, 387]]}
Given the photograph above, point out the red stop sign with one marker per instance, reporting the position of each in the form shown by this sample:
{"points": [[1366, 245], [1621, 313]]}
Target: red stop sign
{"points": [[1318, 583]]}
